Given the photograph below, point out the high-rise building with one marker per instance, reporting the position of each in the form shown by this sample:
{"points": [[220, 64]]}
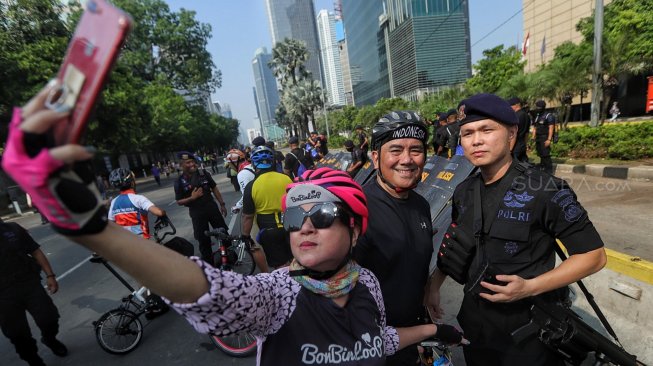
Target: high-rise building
{"points": [[333, 82], [295, 19], [266, 94], [347, 72], [366, 49], [429, 43]]}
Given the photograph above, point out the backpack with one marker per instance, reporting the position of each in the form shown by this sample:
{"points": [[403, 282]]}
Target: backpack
{"points": [[301, 168]]}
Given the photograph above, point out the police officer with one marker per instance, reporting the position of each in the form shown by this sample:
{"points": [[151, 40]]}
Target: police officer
{"points": [[21, 262], [441, 121], [193, 189], [544, 123], [448, 135], [517, 212], [519, 151]]}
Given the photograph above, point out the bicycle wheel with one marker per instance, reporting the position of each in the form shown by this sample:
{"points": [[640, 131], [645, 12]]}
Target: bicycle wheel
{"points": [[237, 345], [118, 331], [244, 266]]}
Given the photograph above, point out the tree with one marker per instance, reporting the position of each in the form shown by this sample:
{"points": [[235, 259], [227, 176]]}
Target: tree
{"points": [[288, 59], [496, 67]]}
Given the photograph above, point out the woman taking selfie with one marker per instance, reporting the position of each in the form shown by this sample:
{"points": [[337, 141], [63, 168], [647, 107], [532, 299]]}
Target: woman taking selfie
{"points": [[323, 309]]}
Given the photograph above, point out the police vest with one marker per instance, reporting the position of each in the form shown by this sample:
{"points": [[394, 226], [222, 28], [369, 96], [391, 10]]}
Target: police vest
{"points": [[514, 237]]}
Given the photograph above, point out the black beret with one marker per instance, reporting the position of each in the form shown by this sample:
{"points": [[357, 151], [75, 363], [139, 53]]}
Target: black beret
{"points": [[514, 101], [293, 140], [349, 144], [540, 104], [258, 141], [486, 106], [452, 112], [442, 116], [185, 155]]}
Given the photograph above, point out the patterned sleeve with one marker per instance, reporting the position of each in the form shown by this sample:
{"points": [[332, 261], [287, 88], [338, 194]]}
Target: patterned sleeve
{"points": [[390, 335], [258, 304]]}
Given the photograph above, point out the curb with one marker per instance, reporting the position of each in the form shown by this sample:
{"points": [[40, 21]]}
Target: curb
{"points": [[640, 172]]}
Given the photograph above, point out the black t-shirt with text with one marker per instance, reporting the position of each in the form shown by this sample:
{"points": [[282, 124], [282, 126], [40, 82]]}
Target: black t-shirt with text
{"points": [[184, 186]]}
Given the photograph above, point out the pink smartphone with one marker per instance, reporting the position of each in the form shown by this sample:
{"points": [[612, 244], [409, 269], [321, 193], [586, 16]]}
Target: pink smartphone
{"points": [[94, 48]]}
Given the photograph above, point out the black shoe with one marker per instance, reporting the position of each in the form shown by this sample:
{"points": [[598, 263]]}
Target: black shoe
{"points": [[56, 346], [156, 311], [34, 361]]}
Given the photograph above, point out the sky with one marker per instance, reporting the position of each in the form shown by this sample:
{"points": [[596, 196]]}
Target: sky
{"points": [[239, 27]]}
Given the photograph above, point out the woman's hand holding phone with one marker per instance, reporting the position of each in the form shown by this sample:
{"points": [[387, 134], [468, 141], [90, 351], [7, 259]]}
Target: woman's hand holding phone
{"points": [[59, 179]]}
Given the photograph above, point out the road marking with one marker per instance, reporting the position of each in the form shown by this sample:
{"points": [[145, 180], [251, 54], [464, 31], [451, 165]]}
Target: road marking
{"points": [[74, 268]]}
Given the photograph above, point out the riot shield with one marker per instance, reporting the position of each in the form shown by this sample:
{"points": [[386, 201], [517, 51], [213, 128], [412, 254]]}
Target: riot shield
{"points": [[439, 181]]}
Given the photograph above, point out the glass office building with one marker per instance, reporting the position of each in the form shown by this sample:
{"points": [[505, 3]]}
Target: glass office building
{"points": [[266, 94], [366, 50], [429, 45], [295, 19]]}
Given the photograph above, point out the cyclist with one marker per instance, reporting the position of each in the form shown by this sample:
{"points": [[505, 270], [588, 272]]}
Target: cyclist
{"points": [[245, 175], [262, 198], [129, 209], [398, 246]]}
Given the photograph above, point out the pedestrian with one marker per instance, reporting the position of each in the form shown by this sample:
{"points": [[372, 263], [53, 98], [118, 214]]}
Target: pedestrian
{"points": [[324, 144], [156, 173], [505, 222], [363, 142], [398, 245], [614, 111], [524, 125], [21, 291], [545, 123], [196, 189], [278, 157], [232, 164]]}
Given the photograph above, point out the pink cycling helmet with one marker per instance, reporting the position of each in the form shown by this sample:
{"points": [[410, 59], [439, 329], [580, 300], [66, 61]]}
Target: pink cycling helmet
{"points": [[341, 185]]}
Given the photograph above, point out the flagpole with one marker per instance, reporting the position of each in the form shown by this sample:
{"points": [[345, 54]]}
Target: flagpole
{"points": [[596, 74]]}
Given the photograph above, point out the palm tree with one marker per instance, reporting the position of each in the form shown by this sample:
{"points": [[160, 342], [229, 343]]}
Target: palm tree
{"points": [[288, 59]]}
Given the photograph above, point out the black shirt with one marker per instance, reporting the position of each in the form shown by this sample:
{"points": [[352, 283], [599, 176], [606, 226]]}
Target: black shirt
{"points": [[292, 162], [324, 149], [16, 248], [397, 248], [184, 186], [542, 121], [523, 125]]}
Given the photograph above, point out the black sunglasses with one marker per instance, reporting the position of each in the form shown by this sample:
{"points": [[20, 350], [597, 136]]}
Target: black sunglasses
{"points": [[322, 216]]}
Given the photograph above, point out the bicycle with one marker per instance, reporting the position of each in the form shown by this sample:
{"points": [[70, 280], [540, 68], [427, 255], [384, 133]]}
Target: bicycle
{"points": [[233, 255], [119, 331], [435, 353]]}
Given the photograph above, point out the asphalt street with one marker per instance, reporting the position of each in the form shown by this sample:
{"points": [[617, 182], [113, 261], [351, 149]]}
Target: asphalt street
{"points": [[620, 210]]}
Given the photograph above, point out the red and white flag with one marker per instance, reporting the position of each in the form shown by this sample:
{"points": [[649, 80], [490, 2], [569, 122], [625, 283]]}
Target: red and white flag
{"points": [[524, 46]]}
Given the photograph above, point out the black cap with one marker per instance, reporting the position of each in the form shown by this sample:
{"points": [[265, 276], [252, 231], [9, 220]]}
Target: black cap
{"points": [[452, 112], [540, 104], [358, 127], [442, 117], [258, 141], [185, 155], [293, 140], [269, 144], [514, 101], [349, 144], [486, 106]]}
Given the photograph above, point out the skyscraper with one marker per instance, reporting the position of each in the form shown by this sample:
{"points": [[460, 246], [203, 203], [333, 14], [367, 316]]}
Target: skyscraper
{"points": [[333, 81], [366, 50], [429, 45], [295, 19], [265, 92]]}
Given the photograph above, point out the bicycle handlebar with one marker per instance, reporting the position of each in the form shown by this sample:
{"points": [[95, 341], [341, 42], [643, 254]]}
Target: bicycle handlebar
{"points": [[160, 224], [221, 233]]}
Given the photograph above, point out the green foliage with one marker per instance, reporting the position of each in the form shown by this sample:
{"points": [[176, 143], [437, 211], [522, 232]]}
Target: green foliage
{"points": [[139, 109], [496, 67], [624, 141]]}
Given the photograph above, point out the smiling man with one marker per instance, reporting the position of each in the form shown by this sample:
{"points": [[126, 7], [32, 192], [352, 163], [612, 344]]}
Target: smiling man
{"points": [[501, 244], [397, 246]]}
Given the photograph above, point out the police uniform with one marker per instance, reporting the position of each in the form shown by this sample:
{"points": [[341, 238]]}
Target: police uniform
{"points": [[522, 215], [21, 291], [203, 211], [542, 122]]}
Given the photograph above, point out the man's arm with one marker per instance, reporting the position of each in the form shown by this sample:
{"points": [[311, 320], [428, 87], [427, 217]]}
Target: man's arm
{"points": [[432, 298], [157, 211], [549, 137], [50, 277], [248, 223], [195, 194], [218, 196], [576, 267]]}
